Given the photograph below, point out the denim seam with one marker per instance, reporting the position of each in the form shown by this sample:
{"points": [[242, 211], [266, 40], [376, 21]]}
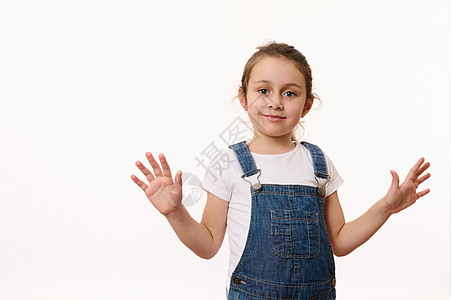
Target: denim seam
{"points": [[297, 273], [287, 285], [308, 233], [322, 296], [315, 194], [291, 233], [319, 236], [272, 298], [296, 256], [318, 226], [299, 219]]}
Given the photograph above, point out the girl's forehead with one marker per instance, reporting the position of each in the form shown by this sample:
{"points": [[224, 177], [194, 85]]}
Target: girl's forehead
{"points": [[276, 68]]}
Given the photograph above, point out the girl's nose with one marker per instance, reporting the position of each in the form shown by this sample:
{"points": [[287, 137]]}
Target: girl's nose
{"points": [[275, 102]]}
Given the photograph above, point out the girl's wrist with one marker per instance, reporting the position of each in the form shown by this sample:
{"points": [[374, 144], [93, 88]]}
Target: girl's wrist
{"points": [[384, 208], [175, 214]]}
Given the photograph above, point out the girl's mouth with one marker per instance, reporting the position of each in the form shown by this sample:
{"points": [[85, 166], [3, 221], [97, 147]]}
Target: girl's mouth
{"points": [[274, 118]]}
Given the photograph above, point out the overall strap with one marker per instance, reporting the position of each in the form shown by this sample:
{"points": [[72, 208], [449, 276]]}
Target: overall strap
{"points": [[247, 164], [245, 158], [319, 162]]}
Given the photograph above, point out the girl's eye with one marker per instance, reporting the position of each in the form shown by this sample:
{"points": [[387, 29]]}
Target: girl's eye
{"points": [[290, 94], [263, 91]]}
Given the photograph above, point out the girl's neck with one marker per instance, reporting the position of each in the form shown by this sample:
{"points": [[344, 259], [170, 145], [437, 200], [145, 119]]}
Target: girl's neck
{"points": [[270, 145]]}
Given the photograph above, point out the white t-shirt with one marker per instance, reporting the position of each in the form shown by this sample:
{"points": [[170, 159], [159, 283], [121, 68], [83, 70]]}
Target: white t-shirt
{"points": [[223, 179]]}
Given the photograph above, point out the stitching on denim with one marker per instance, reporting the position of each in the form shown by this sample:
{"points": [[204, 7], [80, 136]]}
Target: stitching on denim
{"points": [[326, 283], [319, 233], [322, 296], [272, 298], [305, 190], [236, 150], [299, 219], [296, 186], [291, 233], [315, 194], [318, 162], [274, 244], [308, 233], [251, 160], [242, 152], [296, 271]]}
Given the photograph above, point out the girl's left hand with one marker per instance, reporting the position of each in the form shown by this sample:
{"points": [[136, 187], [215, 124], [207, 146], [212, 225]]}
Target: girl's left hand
{"points": [[402, 196]]}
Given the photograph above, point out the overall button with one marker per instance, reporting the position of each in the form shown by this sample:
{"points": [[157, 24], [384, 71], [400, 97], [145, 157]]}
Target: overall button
{"points": [[236, 280], [334, 281], [322, 191], [257, 187]]}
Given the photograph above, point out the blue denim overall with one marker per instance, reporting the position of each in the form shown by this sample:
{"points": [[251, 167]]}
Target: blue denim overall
{"points": [[287, 253]]}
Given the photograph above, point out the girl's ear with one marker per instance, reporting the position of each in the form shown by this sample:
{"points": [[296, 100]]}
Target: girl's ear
{"points": [[307, 106], [242, 98]]}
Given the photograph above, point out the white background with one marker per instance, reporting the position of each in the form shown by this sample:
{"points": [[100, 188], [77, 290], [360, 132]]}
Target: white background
{"points": [[87, 87]]}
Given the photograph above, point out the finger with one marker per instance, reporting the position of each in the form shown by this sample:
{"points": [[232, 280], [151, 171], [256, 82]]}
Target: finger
{"points": [[177, 186], [145, 171], [423, 178], [178, 178], [140, 183], [154, 164], [412, 173], [165, 165], [395, 179], [423, 168], [422, 193]]}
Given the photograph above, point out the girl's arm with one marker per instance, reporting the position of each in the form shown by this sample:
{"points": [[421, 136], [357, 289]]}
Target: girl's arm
{"points": [[204, 238], [346, 237]]}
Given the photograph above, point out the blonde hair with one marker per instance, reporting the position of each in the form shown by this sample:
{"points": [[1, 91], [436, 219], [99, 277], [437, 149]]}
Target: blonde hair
{"points": [[281, 50]]}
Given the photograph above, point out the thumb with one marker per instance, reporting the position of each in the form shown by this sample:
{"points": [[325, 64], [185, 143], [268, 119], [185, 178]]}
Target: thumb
{"points": [[176, 187], [395, 179], [178, 178]]}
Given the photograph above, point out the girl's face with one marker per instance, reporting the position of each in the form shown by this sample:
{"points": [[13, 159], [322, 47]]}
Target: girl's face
{"points": [[276, 97]]}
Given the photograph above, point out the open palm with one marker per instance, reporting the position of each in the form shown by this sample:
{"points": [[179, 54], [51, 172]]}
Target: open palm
{"points": [[402, 196], [162, 191]]}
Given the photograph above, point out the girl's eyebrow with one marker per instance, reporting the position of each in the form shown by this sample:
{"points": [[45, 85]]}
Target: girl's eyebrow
{"points": [[287, 84]]}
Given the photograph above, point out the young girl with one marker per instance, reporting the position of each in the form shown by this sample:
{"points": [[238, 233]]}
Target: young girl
{"points": [[276, 196]]}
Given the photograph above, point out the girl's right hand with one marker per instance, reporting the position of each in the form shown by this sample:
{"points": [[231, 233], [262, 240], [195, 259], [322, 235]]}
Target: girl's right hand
{"points": [[162, 192]]}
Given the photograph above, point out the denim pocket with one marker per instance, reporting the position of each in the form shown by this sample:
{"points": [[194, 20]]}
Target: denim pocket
{"points": [[295, 233]]}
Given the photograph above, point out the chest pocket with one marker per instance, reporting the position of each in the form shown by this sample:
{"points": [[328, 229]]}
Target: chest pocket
{"points": [[295, 233]]}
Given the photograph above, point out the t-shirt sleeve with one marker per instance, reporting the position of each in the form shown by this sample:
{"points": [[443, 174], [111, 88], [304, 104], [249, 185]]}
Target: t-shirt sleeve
{"points": [[215, 179], [335, 179]]}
